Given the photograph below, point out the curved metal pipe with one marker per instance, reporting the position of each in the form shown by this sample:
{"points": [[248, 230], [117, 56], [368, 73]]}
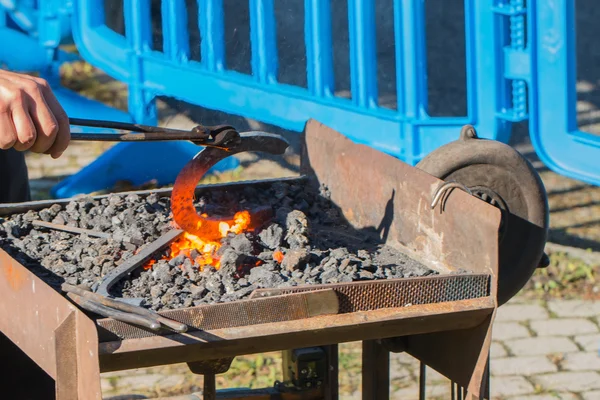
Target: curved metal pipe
{"points": [[182, 196]]}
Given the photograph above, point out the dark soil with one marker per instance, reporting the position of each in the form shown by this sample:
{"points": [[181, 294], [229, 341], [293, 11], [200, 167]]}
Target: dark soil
{"points": [[318, 245]]}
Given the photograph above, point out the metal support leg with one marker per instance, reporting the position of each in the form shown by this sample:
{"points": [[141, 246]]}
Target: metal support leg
{"points": [[331, 383], [375, 371], [209, 391], [422, 380]]}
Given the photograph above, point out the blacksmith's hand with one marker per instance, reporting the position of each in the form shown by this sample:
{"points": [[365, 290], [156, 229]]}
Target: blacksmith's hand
{"points": [[30, 116]]}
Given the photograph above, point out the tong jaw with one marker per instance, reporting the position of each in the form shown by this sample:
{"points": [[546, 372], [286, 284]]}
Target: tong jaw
{"points": [[223, 136]]}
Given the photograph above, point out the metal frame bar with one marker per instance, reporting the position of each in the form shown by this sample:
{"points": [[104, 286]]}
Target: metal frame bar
{"points": [[363, 53], [263, 41], [211, 20], [318, 39], [176, 44]]}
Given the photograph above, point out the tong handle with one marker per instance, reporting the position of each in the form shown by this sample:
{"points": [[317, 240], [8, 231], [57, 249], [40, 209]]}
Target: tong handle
{"points": [[108, 312], [124, 126], [116, 309], [216, 136]]}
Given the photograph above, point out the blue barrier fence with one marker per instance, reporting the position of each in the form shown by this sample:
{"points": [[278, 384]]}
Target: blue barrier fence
{"points": [[519, 62], [407, 132]]}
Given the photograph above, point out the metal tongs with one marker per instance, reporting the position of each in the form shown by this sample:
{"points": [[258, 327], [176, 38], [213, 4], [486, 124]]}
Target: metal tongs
{"points": [[119, 310], [220, 136]]}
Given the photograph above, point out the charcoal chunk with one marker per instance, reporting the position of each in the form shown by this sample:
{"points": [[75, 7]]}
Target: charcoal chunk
{"points": [[297, 274], [187, 302], [162, 272], [230, 260], [244, 292], [363, 254], [85, 204], [115, 200], [156, 291], [302, 205], [46, 215], [281, 214], [152, 198], [280, 190], [417, 270], [177, 261], [229, 284], [188, 267], [296, 223], [330, 275], [266, 255], [215, 285], [272, 236], [72, 280], [262, 277], [294, 259], [367, 275], [297, 241], [132, 198], [197, 291], [70, 268], [179, 280], [339, 253], [379, 273], [168, 297], [241, 244]]}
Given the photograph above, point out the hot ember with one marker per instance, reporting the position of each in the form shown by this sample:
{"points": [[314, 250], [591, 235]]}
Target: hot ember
{"points": [[204, 251]]}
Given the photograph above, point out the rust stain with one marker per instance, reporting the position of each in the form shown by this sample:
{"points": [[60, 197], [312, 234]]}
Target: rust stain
{"points": [[14, 277], [349, 212]]}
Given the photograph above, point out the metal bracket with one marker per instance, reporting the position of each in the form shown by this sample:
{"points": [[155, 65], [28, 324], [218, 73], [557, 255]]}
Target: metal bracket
{"points": [[443, 192]]}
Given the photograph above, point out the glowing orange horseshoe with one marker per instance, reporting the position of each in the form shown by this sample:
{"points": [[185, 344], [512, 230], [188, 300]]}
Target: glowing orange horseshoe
{"points": [[182, 196]]}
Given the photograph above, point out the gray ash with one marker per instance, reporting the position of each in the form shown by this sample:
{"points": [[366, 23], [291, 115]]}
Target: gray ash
{"points": [[318, 246]]}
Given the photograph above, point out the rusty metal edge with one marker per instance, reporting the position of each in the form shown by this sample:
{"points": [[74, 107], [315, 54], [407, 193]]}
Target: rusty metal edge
{"points": [[396, 198], [316, 331], [297, 306], [272, 292], [110, 330], [46, 322]]}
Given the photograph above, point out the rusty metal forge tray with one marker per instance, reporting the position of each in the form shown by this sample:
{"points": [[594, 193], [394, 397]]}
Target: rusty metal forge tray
{"points": [[392, 196]]}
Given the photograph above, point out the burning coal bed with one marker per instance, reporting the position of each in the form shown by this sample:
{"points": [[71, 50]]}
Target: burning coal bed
{"points": [[306, 242]]}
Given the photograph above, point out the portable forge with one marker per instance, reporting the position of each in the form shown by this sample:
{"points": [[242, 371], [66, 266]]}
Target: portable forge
{"points": [[483, 242]]}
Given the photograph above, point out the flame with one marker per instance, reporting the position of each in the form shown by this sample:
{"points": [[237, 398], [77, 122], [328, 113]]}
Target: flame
{"points": [[206, 249], [278, 256], [149, 264]]}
